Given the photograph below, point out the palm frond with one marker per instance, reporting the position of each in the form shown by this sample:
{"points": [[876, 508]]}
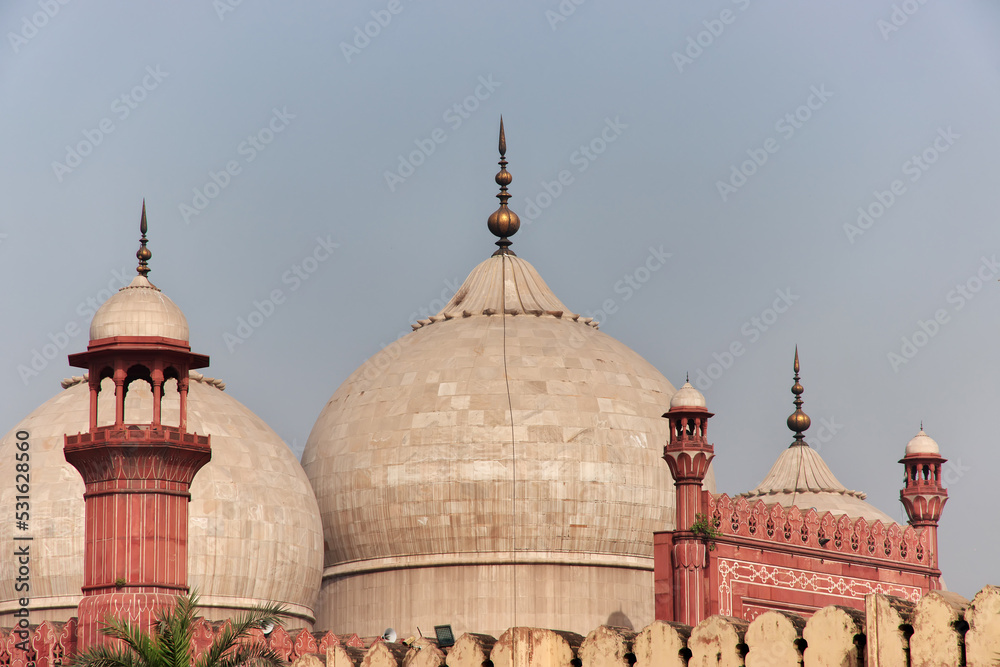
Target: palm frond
{"points": [[107, 655], [252, 654], [169, 644], [237, 633], [174, 626], [138, 643]]}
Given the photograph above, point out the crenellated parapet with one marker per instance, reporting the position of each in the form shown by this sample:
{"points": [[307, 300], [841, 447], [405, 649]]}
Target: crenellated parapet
{"points": [[758, 557], [937, 630], [289, 644], [886, 631], [834, 534]]}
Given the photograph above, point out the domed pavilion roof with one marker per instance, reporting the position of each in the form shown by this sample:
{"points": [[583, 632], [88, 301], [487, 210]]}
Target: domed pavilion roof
{"points": [[922, 443], [687, 397], [802, 478], [139, 309]]}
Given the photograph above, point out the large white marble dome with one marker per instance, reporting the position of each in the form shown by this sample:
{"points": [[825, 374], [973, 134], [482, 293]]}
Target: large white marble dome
{"points": [[254, 534], [503, 429]]}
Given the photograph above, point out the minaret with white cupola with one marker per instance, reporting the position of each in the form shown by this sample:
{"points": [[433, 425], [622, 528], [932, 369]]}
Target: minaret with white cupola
{"points": [[137, 471], [923, 495]]}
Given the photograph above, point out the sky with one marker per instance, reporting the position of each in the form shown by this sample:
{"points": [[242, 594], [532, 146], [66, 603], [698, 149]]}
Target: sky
{"points": [[318, 176]]}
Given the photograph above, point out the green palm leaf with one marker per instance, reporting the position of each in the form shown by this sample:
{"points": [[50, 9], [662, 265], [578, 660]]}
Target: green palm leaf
{"points": [[169, 642]]}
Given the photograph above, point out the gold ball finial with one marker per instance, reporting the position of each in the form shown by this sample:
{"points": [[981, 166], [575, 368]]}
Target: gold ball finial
{"points": [[798, 421], [503, 222], [143, 254]]}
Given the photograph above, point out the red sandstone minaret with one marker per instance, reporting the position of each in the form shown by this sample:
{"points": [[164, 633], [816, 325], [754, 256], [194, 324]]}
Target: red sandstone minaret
{"points": [[688, 454], [923, 496], [137, 475]]}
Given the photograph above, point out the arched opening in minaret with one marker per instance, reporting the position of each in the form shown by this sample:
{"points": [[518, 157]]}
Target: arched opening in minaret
{"points": [[138, 396], [105, 375], [106, 399], [170, 403]]}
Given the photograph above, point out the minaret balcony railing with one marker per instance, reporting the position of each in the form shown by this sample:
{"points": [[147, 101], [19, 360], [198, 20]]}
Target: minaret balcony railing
{"points": [[137, 434]]}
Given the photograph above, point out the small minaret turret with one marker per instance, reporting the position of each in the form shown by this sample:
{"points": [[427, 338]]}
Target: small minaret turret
{"points": [[137, 470], [688, 454], [922, 495]]}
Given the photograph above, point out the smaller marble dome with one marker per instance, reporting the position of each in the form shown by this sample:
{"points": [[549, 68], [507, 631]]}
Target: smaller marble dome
{"points": [[801, 477], [687, 397], [140, 309], [922, 444]]}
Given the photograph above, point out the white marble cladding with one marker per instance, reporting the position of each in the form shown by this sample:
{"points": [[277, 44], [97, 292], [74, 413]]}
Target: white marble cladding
{"points": [[413, 454], [479, 598]]}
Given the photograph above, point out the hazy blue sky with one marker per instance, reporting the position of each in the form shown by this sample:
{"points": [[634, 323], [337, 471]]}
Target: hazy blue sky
{"points": [[835, 160]]}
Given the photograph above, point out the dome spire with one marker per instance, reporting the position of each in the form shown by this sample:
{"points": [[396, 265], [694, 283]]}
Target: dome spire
{"points": [[798, 421], [503, 222], [143, 253]]}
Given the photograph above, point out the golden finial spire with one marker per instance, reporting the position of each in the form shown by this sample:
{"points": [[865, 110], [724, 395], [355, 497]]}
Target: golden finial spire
{"points": [[503, 222], [143, 253], [798, 421]]}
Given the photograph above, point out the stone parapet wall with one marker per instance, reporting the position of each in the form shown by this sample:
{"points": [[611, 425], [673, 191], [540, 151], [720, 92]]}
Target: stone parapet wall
{"points": [[835, 534], [941, 630]]}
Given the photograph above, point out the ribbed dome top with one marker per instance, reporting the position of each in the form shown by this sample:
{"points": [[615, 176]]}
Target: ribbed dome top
{"points": [[687, 397], [801, 477], [922, 443], [504, 283], [139, 309]]}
